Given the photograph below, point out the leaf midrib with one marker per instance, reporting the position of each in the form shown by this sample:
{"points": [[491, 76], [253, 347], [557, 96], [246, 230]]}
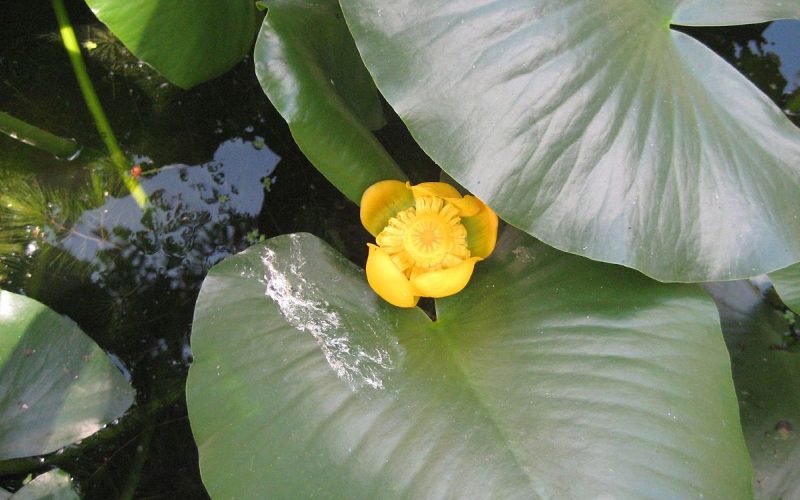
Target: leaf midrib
{"points": [[455, 357]]}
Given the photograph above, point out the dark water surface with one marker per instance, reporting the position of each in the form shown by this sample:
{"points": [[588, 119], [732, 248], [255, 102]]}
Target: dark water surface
{"points": [[222, 172]]}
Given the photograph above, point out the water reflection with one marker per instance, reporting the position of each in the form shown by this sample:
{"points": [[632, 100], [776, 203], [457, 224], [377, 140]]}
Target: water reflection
{"points": [[129, 277], [87, 250], [194, 214], [782, 40], [768, 54]]}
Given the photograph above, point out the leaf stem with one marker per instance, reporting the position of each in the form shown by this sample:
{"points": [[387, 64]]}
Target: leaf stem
{"points": [[38, 138], [93, 103]]}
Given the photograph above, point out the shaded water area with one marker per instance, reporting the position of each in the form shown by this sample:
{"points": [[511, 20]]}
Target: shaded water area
{"points": [[222, 173]]}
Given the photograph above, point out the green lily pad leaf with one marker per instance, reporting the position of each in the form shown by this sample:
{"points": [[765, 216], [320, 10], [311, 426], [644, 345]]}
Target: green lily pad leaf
{"points": [[309, 67], [766, 372], [709, 13], [53, 485], [550, 376], [187, 41], [597, 128], [56, 385], [787, 284]]}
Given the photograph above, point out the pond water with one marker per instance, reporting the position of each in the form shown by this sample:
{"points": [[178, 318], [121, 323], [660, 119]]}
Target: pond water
{"points": [[222, 172]]}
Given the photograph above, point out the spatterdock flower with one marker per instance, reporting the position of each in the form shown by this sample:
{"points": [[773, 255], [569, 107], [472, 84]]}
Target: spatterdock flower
{"points": [[428, 238]]}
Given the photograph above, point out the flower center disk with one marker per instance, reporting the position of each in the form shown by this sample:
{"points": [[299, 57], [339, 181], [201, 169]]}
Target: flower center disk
{"points": [[428, 236]]}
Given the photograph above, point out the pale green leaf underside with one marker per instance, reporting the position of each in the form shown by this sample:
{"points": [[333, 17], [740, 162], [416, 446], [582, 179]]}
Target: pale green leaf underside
{"points": [[187, 41], [727, 12], [787, 284], [310, 69], [767, 382], [56, 385], [550, 376], [53, 485], [597, 128]]}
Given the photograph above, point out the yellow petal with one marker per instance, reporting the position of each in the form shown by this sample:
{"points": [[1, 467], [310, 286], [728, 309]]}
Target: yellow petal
{"points": [[467, 206], [388, 280], [481, 231], [382, 201], [440, 189], [445, 281]]}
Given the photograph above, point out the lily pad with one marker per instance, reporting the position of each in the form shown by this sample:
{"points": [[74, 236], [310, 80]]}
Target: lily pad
{"points": [[549, 376], [766, 372], [309, 67], [597, 127], [787, 284], [187, 41], [53, 485], [56, 385]]}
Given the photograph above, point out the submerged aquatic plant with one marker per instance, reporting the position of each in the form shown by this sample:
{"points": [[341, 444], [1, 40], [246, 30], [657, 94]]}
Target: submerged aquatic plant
{"points": [[428, 237]]}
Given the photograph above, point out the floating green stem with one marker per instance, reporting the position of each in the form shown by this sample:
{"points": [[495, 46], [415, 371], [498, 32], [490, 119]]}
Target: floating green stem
{"points": [[139, 459], [93, 103], [38, 138]]}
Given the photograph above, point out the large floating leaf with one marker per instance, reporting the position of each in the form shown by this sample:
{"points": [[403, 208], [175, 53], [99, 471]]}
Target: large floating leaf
{"points": [[767, 379], [709, 13], [550, 376], [187, 41], [310, 69], [597, 128], [56, 385], [787, 284]]}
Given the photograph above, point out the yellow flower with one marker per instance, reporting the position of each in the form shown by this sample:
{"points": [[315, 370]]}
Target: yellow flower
{"points": [[428, 239]]}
